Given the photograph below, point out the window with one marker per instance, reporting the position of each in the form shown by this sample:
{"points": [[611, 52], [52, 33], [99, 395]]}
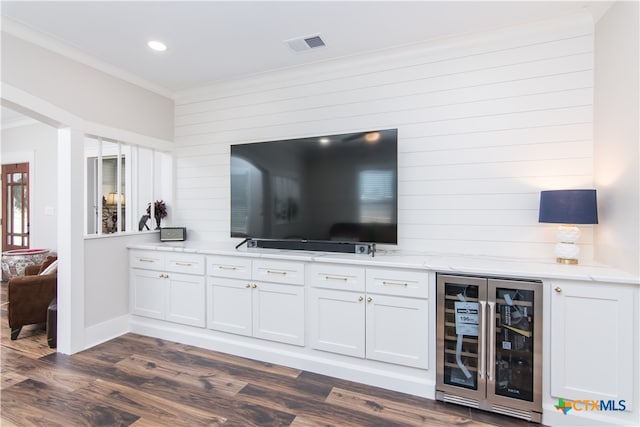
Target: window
{"points": [[121, 182]]}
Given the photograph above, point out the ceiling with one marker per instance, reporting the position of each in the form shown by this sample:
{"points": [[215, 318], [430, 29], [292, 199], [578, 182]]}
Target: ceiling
{"points": [[210, 41]]}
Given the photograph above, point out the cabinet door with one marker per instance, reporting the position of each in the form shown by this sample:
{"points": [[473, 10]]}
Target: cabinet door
{"points": [[337, 321], [278, 312], [397, 330], [229, 305], [148, 293], [592, 341], [185, 299]]}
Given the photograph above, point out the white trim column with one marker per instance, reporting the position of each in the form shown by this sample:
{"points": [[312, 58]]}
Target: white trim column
{"points": [[71, 287]]}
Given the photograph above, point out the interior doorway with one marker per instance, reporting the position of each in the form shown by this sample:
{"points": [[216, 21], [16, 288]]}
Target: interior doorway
{"points": [[15, 202]]}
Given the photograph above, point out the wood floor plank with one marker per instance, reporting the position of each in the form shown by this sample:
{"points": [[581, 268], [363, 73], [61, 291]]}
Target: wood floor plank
{"points": [[153, 410], [236, 368], [242, 413], [58, 408], [397, 411], [244, 362], [186, 376], [11, 378], [44, 371], [312, 409], [32, 340]]}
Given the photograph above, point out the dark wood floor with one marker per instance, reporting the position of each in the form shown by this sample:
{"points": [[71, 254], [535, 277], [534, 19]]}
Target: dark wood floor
{"points": [[142, 381]]}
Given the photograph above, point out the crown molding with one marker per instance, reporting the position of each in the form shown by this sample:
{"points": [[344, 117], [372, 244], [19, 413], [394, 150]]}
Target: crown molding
{"points": [[49, 42]]}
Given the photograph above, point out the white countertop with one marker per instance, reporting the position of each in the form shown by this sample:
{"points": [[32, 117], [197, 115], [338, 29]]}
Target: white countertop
{"points": [[444, 263]]}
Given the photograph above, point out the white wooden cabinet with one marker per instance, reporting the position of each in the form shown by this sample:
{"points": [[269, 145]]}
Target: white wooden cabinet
{"points": [[380, 314], [262, 299], [167, 286], [592, 341], [337, 321]]}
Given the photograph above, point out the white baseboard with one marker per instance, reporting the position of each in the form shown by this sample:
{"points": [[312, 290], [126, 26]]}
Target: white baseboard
{"points": [[105, 331]]}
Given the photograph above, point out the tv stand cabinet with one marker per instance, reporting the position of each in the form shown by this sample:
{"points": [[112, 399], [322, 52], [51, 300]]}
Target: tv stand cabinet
{"points": [[372, 320]]}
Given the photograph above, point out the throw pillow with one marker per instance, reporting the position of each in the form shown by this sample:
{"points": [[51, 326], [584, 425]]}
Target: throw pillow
{"points": [[52, 268], [47, 262]]}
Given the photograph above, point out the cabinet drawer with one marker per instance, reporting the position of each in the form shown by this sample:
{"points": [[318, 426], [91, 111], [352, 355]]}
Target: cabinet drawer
{"points": [[146, 260], [278, 271], [184, 263], [340, 277], [227, 266], [398, 282]]}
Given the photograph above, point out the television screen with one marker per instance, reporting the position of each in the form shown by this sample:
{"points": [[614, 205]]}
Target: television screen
{"points": [[325, 188]]}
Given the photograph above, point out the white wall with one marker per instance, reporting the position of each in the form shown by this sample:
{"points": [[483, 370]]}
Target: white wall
{"points": [[107, 276], [617, 144], [37, 143], [485, 122]]}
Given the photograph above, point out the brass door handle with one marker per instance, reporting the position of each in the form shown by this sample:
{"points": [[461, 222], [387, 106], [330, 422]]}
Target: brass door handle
{"points": [[369, 299], [558, 289], [386, 282], [284, 273], [360, 298]]}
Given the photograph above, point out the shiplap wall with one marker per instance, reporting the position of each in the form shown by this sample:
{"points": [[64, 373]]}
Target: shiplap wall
{"points": [[484, 122]]}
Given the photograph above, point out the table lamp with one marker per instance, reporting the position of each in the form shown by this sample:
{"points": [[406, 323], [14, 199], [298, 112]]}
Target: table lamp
{"points": [[568, 208]]}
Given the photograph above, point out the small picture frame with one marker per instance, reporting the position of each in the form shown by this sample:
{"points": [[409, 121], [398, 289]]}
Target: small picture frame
{"points": [[173, 234]]}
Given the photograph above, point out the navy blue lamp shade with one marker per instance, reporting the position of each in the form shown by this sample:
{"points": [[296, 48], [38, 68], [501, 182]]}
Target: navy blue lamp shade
{"points": [[568, 207]]}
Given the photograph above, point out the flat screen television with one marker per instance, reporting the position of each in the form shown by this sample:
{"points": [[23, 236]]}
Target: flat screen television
{"points": [[325, 188]]}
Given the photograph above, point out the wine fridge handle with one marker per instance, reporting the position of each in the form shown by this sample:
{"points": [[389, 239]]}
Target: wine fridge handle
{"points": [[492, 340], [483, 347]]}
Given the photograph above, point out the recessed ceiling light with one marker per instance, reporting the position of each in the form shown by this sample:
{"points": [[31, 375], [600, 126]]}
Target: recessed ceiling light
{"points": [[324, 141], [157, 46]]}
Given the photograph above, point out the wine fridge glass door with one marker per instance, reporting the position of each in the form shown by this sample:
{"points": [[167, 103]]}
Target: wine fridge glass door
{"points": [[514, 340], [461, 347]]}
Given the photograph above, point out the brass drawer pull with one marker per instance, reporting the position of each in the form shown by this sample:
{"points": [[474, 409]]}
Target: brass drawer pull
{"points": [[344, 279], [145, 260], [225, 267], [276, 272], [184, 264], [385, 282]]}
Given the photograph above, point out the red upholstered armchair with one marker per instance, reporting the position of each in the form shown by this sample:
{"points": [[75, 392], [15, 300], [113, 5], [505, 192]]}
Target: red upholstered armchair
{"points": [[29, 297]]}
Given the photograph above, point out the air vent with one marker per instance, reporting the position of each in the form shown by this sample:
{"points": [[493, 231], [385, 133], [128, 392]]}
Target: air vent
{"points": [[301, 44]]}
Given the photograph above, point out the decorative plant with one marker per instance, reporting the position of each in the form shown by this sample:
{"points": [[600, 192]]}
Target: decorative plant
{"points": [[159, 211]]}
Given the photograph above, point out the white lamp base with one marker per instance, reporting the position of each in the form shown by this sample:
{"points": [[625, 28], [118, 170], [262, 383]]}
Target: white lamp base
{"points": [[567, 251]]}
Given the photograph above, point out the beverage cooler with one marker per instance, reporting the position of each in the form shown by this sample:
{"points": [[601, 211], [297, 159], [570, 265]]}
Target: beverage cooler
{"points": [[489, 353]]}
